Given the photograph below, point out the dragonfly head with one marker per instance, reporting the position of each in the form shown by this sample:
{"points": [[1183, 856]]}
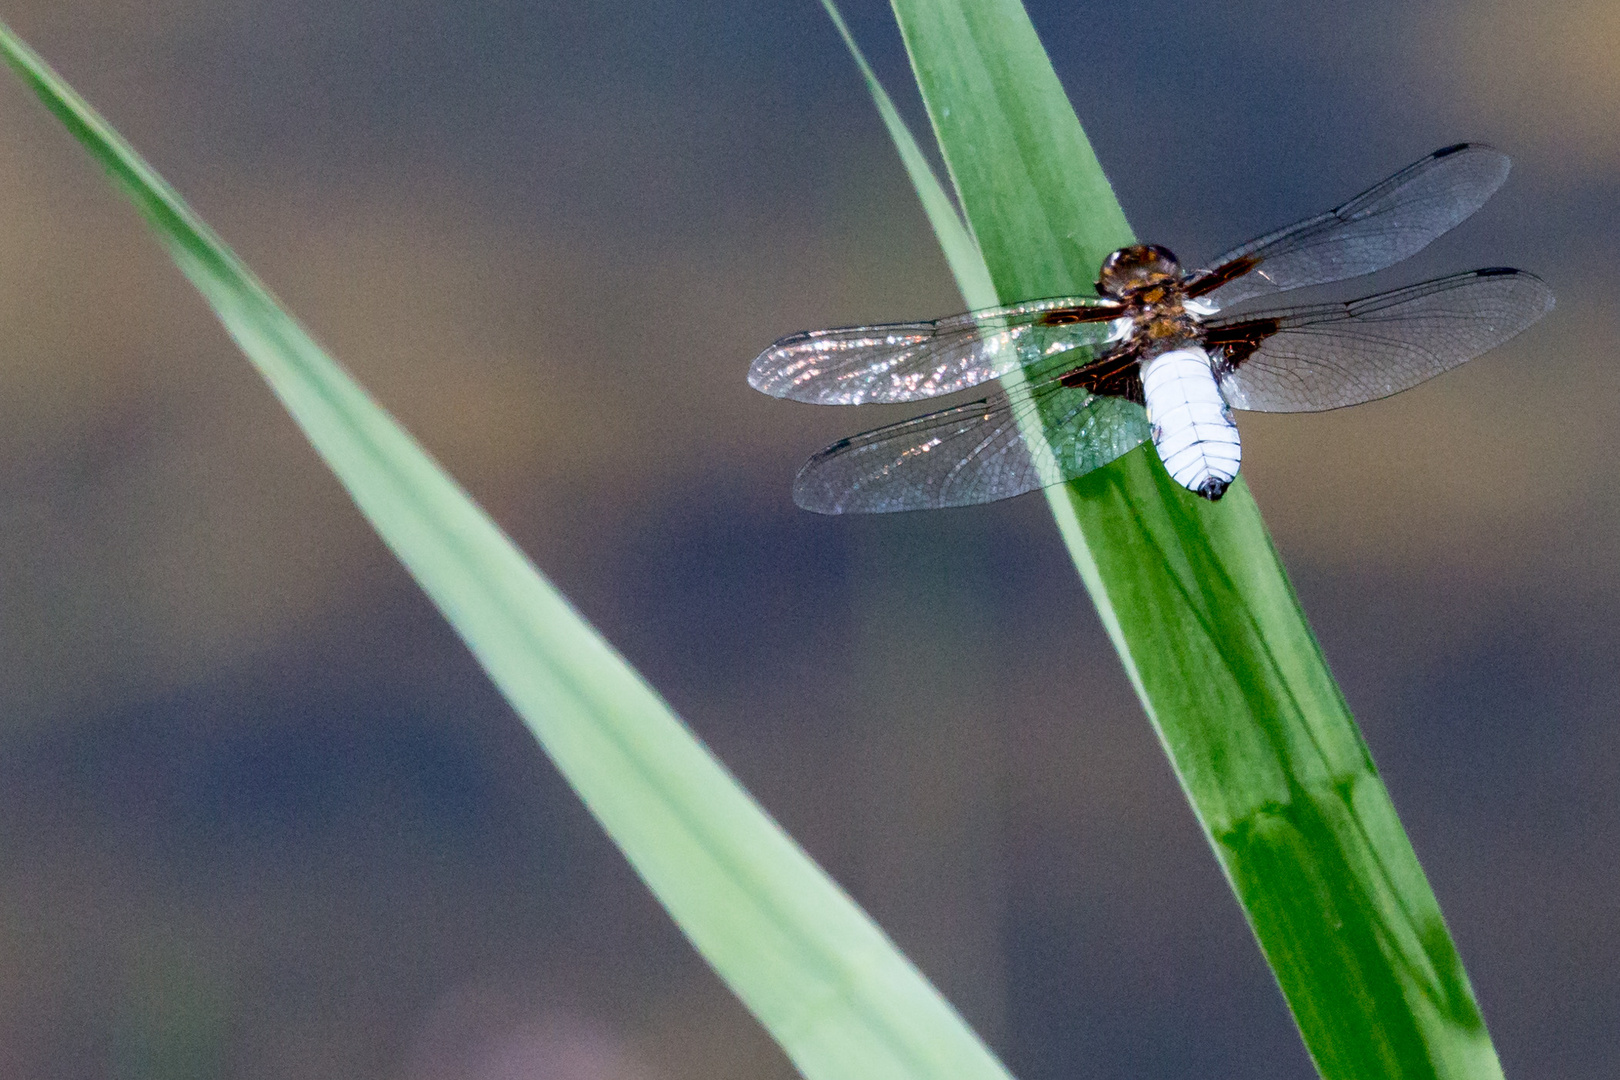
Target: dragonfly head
{"points": [[1135, 269]]}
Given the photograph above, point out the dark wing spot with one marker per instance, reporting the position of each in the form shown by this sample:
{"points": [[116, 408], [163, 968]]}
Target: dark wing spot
{"points": [[1210, 280], [1114, 375], [1090, 313], [1238, 341]]}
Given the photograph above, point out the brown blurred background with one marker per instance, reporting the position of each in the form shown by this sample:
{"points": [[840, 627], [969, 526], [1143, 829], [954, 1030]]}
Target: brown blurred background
{"points": [[261, 817]]}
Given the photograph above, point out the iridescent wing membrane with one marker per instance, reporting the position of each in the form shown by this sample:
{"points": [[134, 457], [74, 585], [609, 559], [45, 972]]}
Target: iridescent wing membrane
{"points": [[1377, 229], [910, 361], [972, 453], [1311, 359]]}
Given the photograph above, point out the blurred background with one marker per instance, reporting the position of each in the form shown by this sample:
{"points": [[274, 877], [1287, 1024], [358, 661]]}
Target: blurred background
{"points": [[261, 816]]}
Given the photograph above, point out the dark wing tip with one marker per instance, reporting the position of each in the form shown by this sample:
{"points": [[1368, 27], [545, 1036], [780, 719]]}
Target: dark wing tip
{"points": [[760, 374], [1458, 148], [1523, 275], [812, 494], [765, 373], [1489, 167], [1482, 150]]}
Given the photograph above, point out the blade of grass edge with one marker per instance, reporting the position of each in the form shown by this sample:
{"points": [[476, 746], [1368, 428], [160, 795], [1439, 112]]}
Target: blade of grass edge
{"points": [[823, 979], [1203, 615], [961, 250], [978, 291]]}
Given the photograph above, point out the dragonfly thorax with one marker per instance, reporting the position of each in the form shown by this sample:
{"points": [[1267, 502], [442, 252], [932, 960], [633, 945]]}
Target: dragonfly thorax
{"points": [[1133, 270]]}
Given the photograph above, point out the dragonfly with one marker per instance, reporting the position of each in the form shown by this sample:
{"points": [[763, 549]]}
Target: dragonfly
{"points": [[1152, 357]]}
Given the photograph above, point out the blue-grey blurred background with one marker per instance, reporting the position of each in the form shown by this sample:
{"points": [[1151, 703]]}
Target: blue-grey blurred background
{"points": [[262, 817]]}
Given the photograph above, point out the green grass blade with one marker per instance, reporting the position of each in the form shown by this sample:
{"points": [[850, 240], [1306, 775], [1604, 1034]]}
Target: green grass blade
{"points": [[837, 995], [1203, 615]]}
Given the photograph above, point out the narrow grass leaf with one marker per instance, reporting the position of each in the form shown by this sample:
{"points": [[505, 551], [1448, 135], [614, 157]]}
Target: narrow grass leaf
{"points": [[837, 995], [1203, 615], [961, 251]]}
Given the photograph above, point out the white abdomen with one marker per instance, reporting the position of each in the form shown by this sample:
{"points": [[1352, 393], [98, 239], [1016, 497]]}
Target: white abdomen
{"points": [[1192, 427]]}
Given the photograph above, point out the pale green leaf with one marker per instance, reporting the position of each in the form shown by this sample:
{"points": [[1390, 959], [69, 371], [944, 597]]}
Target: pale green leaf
{"points": [[837, 995]]}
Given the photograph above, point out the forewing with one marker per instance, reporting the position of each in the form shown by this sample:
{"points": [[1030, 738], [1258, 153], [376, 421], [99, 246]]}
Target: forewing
{"points": [[1323, 357], [973, 453], [1378, 228], [911, 361]]}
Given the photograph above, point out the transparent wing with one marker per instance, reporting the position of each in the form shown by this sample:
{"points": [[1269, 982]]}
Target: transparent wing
{"points": [[912, 361], [973, 453], [1378, 228], [1310, 359]]}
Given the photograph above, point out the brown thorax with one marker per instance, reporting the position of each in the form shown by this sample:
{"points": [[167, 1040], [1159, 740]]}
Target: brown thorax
{"points": [[1147, 278]]}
